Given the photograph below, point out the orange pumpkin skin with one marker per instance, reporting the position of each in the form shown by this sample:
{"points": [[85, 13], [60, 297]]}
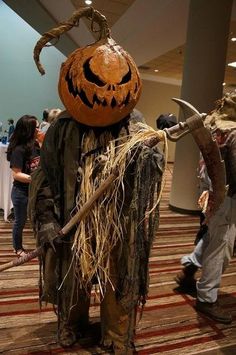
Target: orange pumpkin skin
{"points": [[99, 84]]}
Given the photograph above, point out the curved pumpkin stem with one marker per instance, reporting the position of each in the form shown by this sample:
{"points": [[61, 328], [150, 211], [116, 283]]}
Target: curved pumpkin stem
{"points": [[89, 12]]}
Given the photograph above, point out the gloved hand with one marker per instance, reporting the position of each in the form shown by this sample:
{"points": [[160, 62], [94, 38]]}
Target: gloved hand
{"points": [[49, 233]]}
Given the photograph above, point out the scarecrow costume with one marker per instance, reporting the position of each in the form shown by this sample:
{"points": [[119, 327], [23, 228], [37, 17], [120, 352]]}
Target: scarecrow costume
{"points": [[99, 86], [94, 201]]}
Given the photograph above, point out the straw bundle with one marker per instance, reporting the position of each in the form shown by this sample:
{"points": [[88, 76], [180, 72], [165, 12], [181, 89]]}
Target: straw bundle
{"points": [[103, 228]]}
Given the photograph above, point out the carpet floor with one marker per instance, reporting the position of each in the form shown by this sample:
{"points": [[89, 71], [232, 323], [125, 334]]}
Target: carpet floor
{"points": [[169, 323]]}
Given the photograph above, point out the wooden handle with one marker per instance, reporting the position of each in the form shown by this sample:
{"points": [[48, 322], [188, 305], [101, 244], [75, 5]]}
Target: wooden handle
{"points": [[86, 207], [75, 219], [23, 259]]}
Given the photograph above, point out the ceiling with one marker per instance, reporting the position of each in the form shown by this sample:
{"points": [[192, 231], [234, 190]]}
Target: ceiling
{"points": [[134, 26]]}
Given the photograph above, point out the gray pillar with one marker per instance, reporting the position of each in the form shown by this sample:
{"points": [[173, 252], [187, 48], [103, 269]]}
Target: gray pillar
{"points": [[203, 76]]}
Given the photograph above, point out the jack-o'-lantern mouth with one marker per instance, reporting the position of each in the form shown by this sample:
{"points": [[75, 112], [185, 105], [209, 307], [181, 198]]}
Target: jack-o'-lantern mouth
{"points": [[94, 79]]}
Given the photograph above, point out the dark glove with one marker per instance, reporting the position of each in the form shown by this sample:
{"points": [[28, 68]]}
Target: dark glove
{"points": [[49, 233]]}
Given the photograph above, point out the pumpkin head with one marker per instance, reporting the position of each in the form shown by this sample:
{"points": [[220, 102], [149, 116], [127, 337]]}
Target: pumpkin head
{"points": [[99, 84]]}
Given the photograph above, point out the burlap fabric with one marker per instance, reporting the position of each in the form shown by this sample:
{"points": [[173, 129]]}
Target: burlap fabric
{"points": [[52, 197]]}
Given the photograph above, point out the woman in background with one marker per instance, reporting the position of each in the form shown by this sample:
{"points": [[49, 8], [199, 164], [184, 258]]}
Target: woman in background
{"points": [[49, 116], [53, 114], [44, 125], [23, 154], [11, 128]]}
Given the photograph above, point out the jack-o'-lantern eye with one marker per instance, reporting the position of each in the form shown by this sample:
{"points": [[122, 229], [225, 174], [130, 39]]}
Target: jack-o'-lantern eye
{"points": [[90, 76], [126, 78]]}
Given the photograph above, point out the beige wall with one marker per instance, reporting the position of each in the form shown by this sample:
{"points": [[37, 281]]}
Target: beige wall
{"points": [[156, 100]]}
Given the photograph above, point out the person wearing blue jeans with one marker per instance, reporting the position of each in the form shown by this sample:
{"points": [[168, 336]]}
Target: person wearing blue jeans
{"points": [[23, 154], [212, 254], [191, 262], [20, 201], [215, 250]]}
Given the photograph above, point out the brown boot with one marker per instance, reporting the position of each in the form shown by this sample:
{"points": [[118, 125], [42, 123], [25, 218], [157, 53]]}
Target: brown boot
{"points": [[214, 311], [185, 278], [67, 336], [119, 351]]}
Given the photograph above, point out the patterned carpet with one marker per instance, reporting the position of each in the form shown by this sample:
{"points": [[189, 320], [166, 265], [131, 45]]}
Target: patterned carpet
{"points": [[169, 324]]}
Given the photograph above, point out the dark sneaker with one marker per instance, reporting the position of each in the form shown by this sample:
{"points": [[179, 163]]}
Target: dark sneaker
{"points": [[214, 311], [186, 281]]}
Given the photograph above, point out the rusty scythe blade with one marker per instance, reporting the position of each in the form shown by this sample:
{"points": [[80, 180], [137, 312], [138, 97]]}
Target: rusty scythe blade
{"points": [[208, 147]]}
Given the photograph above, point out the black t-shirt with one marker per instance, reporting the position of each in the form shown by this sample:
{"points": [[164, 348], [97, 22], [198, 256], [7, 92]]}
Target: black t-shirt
{"points": [[27, 165]]}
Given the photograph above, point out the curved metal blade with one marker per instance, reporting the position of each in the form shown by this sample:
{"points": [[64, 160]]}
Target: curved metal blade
{"points": [[187, 108]]}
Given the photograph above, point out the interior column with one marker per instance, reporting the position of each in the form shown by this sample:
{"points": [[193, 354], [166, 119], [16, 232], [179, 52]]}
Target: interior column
{"points": [[203, 76]]}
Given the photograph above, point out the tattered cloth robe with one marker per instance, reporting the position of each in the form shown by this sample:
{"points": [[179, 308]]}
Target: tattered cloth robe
{"points": [[113, 242]]}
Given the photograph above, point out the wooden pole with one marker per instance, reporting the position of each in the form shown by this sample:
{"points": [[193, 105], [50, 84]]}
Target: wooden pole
{"points": [[22, 260], [75, 219]]}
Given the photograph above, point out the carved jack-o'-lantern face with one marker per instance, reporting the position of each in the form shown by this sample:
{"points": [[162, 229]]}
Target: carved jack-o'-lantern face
{"points": [[99, 84]]}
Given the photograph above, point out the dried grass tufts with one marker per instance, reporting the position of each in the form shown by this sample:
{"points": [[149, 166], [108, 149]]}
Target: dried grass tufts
{"points": [[101, 229]]}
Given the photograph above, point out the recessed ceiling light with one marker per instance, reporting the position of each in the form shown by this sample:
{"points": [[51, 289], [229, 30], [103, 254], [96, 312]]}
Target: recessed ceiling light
{"points": [[224, 84], [88, 2], [233, 64], [233, 39], [156, 70]]}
